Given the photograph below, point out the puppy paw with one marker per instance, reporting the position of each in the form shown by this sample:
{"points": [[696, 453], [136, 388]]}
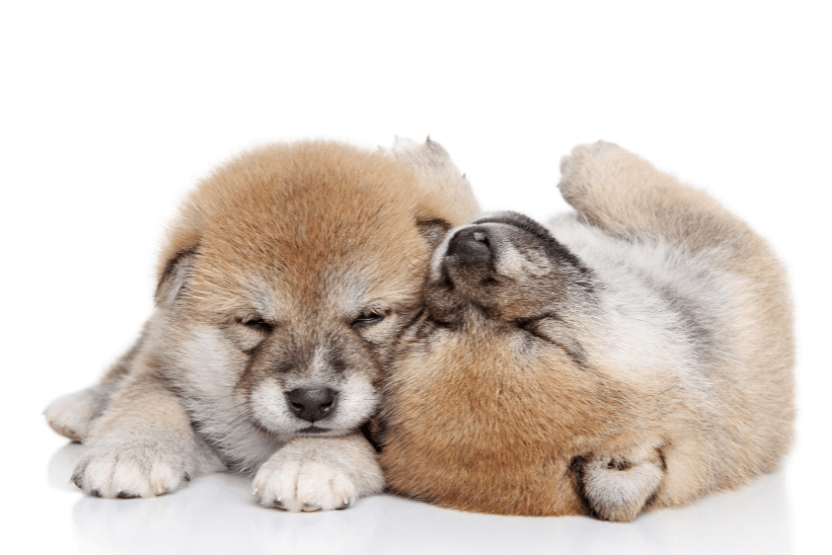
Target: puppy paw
{"points": [[586, 165], [618, 489], [72, 415], [297, 485], [311, 474], [125, 471]]}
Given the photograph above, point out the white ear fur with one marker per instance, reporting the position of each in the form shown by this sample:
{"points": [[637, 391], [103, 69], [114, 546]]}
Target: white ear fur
{"points": [[617, 489], [437, 176]]}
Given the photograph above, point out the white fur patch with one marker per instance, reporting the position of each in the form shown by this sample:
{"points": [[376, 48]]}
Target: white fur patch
{"points": [[221, 411], [311, 474], [72, 415], [268, 404], [439, 253], [121, 468], [357, 400], [639, 331], [617, 494]]}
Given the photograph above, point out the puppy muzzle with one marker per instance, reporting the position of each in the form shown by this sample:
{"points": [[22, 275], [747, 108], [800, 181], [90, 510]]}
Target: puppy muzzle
{"points": [[471, 246], [312, 404]]}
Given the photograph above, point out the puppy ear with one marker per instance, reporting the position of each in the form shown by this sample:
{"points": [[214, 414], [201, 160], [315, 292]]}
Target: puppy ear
{"points": [[444, 190], [433, 230], [175, 276], [617, 489]]}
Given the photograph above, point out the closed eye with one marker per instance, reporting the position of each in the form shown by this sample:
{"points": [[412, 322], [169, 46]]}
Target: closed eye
{"points": [[446, 324], [556, 335], [257, 324], [367, 318]]}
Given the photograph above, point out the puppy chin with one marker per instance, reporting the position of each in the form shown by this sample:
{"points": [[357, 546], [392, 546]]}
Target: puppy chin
{"points": [[318, 431], [293, 427]]}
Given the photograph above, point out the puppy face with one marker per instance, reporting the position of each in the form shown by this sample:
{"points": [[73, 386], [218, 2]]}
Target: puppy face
{"points": [[290, 274], [491, 382], [504, 276]]}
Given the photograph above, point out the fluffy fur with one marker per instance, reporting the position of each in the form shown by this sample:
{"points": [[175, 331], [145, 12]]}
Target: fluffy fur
{"points": [[282, 286], [635, 354]]}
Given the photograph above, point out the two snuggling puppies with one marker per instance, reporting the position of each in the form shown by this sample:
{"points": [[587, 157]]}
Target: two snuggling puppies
{"points": [[631, 355]]}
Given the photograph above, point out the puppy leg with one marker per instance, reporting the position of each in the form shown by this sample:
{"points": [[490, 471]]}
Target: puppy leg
{"points": [[72, 415], [438, 175], [309, 474], [143, 445], [628, 197], [617, 488]]}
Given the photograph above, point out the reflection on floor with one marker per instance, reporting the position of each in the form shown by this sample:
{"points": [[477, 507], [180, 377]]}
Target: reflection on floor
{"points": [[218, 514]]}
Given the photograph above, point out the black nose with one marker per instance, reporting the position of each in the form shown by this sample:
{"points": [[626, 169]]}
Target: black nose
{"points": [[472, 244], [312, 404]]}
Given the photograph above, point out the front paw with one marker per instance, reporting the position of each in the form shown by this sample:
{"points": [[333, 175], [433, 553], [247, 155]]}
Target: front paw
{"points": [[311, 474], [121, 470]]}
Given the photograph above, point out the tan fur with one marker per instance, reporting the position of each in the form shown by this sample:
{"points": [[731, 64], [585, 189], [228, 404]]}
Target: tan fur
{"points": [[646, 364], [267, 282]]}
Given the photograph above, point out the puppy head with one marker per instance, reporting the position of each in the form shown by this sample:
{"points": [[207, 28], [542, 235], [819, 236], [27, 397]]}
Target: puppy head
{"points": [[288, 277], [488, 391], [504, 273]]}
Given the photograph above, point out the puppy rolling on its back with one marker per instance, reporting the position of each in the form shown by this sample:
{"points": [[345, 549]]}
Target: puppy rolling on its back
{"points": [[282, 287], [635, 355]]}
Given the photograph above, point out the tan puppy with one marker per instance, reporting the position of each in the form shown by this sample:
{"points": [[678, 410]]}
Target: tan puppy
{"points": [[282, 286], [637, 354]]}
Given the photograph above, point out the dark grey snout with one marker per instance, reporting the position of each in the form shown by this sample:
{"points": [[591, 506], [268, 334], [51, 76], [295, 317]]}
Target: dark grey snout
{"points": [[471, 245], [312, 404]]}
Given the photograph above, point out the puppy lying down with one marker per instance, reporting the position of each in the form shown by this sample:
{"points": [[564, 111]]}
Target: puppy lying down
{"points": [[632, 355], [283, 284]]}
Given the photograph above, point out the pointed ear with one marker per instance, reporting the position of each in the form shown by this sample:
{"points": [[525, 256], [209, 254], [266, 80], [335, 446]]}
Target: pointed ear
{"points": [[433, 230], [443, 189], [175, 276]]}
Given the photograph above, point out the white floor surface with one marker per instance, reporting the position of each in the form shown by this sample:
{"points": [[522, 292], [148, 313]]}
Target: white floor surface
{"points": [[218, 514]]}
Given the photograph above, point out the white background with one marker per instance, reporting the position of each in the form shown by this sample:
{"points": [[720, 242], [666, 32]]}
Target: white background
{"points": [[109, 114]]}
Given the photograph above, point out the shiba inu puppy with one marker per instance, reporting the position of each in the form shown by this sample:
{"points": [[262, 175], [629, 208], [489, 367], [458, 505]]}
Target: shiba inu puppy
{"points": [[283, 283], [633, 355]]}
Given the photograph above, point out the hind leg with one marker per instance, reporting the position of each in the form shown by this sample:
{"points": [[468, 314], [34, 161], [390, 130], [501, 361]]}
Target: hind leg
{"points": [[143, 445], [72, 415], [618, 487], [628, 197]]}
